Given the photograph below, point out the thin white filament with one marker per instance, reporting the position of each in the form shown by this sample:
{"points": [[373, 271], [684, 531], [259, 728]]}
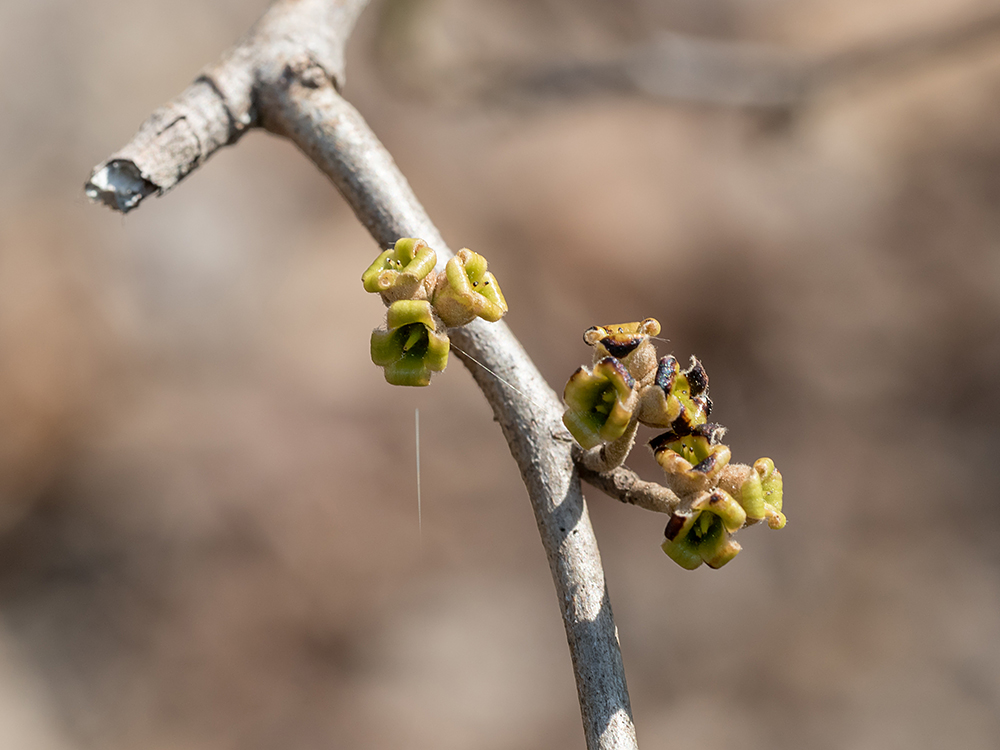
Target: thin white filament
{"points": [[516, 390], [420, 519]]}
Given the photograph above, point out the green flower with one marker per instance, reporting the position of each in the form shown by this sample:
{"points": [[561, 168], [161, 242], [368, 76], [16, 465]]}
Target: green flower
{"points": [[628, 342], [677, 398], [401, 272], [693, 462], [467, 290], [412, 345], [599, 402], [702, 534], [760, 494]]}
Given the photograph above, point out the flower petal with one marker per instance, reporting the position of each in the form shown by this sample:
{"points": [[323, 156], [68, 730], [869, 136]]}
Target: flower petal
{"points": [[683, 553], [398, 273], [722, 504]]}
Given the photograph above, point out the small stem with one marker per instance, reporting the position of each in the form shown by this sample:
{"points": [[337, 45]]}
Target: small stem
{"points": [[610, 455], [624, 485]]}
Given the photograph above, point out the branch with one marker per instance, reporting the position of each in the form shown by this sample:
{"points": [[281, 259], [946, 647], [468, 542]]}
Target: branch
{"points": [[624, 485], [285, 76], [219, 106]]}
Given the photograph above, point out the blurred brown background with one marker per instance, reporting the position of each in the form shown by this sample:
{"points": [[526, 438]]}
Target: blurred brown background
{"points": [[207, 492]]}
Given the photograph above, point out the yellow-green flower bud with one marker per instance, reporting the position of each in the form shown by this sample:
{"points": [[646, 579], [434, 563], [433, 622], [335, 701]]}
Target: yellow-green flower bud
{"points": [[693, 462], [599, 402], [467, 290], [676, 398], [412, 345], [702, 533], [761, 494], [402, 272], [628, 342]]}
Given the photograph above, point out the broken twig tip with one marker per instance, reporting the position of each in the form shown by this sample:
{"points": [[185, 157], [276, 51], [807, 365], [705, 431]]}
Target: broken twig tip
{"points": [[119, 185]]}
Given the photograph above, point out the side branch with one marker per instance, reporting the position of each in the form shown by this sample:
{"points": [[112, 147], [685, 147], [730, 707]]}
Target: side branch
{"points": [[219, 106], [624, 485], [174, 141]]}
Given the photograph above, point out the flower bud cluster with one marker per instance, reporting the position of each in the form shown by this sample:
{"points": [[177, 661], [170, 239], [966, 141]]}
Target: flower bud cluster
{"points": [[628, 386], [423, 304]]}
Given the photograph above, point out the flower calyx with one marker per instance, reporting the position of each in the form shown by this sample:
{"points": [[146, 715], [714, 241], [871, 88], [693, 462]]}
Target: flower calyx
{"points": [[676, 398], [693, 460], [599, 402], [702, 531], [628, 342], [467, 290], [412, 345]]}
